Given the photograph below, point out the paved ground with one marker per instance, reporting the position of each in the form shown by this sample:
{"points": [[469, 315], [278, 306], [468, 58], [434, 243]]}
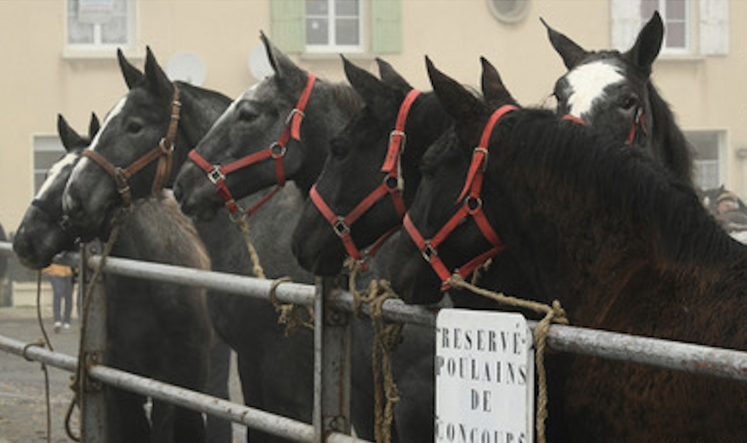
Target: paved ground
{"points": [[22, 404]]}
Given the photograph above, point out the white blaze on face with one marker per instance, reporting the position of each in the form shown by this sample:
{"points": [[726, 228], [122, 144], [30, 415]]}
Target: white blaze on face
{"points": [[113, 113], [54, 172], [587, 83]]}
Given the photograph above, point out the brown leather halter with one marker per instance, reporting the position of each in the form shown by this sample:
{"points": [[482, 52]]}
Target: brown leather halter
{"points": [[391, 185], [471, 207], [163, 152]]}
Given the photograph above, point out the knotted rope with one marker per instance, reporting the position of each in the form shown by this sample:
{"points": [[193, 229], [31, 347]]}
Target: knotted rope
{"points": [[80, 378], [289, 314], [386, 338], [553, 314]]}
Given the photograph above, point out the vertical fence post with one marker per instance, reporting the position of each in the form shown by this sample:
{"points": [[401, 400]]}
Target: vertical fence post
{"points": [[332, 342], [93, 345]]}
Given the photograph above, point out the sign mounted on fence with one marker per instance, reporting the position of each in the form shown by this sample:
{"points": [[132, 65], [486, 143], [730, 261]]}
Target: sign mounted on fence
{"points": [[484, 377]]}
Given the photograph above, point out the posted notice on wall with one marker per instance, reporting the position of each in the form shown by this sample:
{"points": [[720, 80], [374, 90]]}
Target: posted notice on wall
{"points": [[484, 377]]}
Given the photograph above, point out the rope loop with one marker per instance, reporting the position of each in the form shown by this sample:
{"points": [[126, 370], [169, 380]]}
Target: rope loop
{"points": [[553, 313]]}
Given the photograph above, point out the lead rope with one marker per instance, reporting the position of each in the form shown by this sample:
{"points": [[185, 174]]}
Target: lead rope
{"points": [[81, 373], [386, 338], [553, 314], [289, 314], [42, 342]]}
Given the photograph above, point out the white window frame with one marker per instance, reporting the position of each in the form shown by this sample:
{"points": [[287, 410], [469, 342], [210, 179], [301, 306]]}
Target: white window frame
{"points": [[688, 47], [716, 165], [97, 44], [334, 48], [44, 144]]}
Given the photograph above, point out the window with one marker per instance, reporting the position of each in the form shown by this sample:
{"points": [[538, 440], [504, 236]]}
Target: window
{"points": [[708, 168], [677, 18], [333, 26], [47, 150], [97, 24]]}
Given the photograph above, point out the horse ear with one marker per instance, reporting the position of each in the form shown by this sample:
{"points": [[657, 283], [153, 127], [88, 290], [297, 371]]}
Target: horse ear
{"points": [[391, 77], [285, 70], [93, 126], [69, 137], [456, 99], [375, 93], [157, 80], [648, 44], [571, 52], [131, 74], [493, 89]]}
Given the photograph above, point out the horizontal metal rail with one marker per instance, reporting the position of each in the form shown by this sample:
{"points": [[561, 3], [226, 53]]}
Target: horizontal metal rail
{"points": [[255, 418]]}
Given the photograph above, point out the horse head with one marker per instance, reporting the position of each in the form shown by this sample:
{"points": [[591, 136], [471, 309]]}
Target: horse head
{"points": [[446, 226], [371, 172], [613, 92], [45, 230], [131, 156], [275, 131]]}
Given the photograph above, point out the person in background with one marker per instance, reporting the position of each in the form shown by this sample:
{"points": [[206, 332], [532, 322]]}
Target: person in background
{"points": [[61, 278]]}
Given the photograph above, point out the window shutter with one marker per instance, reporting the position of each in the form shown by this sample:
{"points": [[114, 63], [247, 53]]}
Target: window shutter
{"points": [[288, 25], [386, 26], [626, 22], [714, 27]]}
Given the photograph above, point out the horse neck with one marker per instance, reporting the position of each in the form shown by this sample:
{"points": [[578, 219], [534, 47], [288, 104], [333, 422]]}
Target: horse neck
{"points": [[667, 139], [331, 107], [426, 122], [200, 109]]}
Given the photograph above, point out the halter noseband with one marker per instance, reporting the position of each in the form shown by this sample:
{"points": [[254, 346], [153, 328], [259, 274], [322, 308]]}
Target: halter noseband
{"points": [[217, 173], [163, 152], [391, 185], [58, 217], [471, 206]]}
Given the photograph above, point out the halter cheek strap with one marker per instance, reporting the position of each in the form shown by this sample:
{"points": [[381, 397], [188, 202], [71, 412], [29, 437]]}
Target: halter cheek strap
{"points": [[471, 207], [391, 185], [276, 151], [163, 153]]}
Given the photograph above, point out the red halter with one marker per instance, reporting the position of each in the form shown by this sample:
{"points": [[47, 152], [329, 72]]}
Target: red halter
{"points": [[471, 206], [163, 153], [391, 185], [217, 173], [637, 121]]}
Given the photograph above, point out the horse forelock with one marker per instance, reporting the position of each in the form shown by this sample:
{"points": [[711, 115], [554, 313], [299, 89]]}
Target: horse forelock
{"points": [[345, 98]]}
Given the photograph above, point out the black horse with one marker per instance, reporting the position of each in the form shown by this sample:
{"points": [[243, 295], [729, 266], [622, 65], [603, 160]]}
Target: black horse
{"points": [[157, 330], [625, 246], [613, 92], [276, 371]]}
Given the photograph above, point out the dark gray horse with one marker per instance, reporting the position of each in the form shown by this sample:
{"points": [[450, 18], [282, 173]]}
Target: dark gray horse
{"points": [[157, 330], [276, 371]]}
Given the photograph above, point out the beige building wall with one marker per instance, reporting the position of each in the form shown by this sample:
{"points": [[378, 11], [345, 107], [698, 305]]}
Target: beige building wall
{"points": [[40, 78]]}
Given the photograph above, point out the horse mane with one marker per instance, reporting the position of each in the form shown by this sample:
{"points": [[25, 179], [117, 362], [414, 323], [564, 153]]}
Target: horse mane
{"points": [[345, 97], [598, 173], [669, 139]]}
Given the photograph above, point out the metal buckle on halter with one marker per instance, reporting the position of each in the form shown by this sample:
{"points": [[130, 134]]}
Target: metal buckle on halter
{"points": [[428, 251], [393, 182], [484, 163], [215, 175], [395, 133], [277, 150], [473, 203], [164, 148], [292, 113], [121, 178], [341, 228]]}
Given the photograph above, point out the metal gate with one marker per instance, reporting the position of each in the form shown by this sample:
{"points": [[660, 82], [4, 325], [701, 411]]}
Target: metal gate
{"points": [[332, 351]]}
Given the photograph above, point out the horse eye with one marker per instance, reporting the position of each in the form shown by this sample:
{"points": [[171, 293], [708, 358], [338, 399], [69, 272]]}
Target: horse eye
{"points": [[630, 103], [134, 127], [247, 115]]}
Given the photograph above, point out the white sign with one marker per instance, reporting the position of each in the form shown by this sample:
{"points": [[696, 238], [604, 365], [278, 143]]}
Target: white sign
{"points": [[484, 377]]}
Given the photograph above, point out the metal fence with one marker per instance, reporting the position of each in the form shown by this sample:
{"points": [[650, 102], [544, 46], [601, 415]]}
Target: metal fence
{"points": [[332, 345]]}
